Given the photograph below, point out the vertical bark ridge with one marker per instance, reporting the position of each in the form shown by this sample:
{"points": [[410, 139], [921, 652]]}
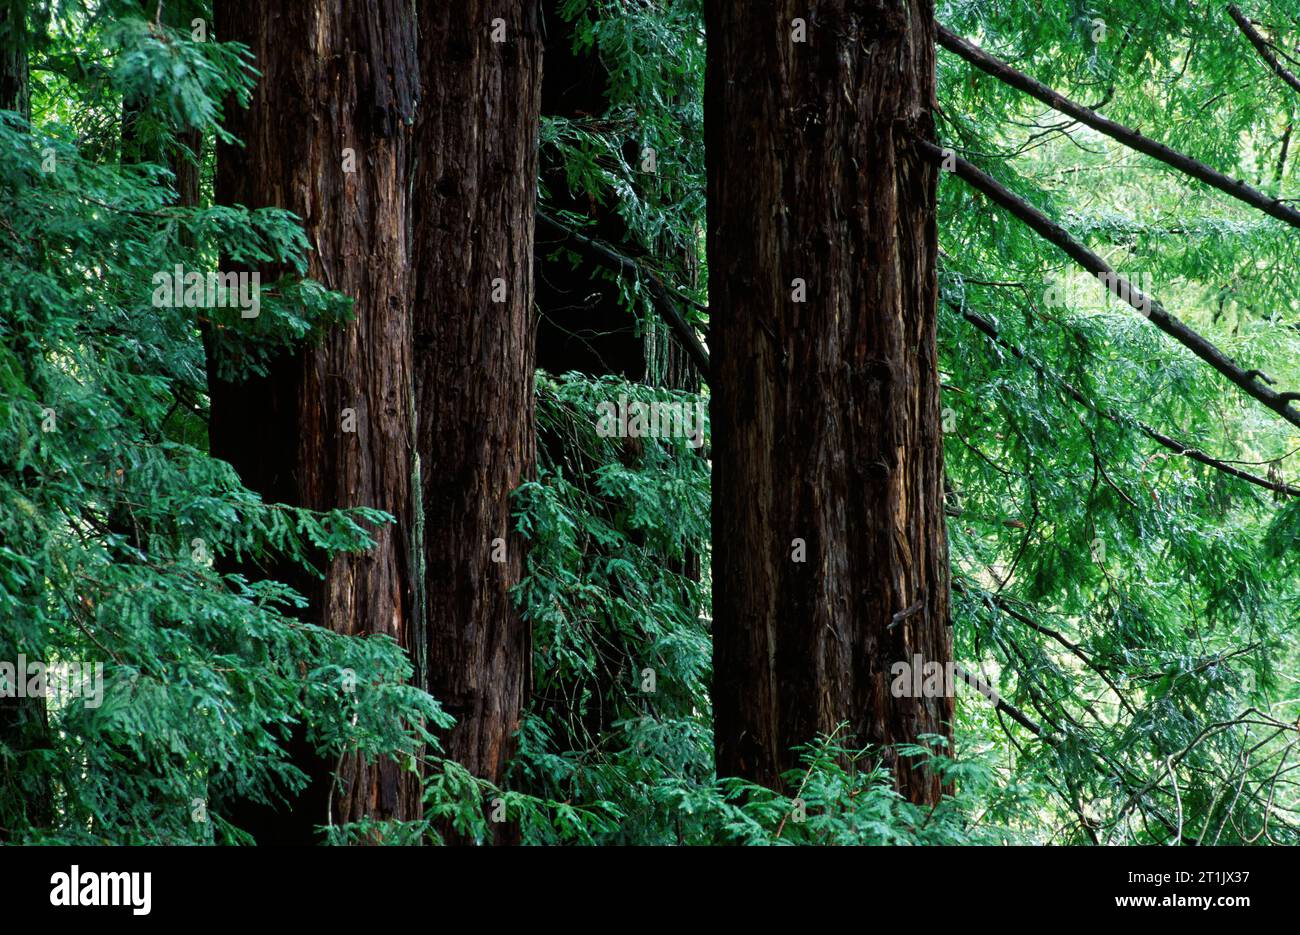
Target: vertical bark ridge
{"points": [[474, 200], [335, 75], [825, 412]]}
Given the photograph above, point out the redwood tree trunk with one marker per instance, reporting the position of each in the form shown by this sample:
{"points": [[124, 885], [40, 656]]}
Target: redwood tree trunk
{"points": [[335, 75], [825, 412], [474, 198]]}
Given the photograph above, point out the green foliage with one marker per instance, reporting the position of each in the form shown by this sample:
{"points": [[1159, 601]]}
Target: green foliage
{"points": [[1128, 598], [621, 720], [615, 526], [654, 56], [1137, 607], [117, 529]]}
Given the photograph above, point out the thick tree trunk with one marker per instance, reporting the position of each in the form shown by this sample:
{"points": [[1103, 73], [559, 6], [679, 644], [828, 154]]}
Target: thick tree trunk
{"points": [[825, 411], [474, 198], [336, 75]]}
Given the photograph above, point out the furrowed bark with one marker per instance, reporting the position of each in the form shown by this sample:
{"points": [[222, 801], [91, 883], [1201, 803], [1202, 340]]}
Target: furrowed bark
{"points": [[1129, 137], [825, 411], [1049, 230], [335, 76], [474, 201], [1262, 47]]}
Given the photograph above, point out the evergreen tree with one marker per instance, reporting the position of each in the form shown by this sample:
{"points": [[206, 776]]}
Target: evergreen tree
{"points": [[1047, 317], [133, 559]]}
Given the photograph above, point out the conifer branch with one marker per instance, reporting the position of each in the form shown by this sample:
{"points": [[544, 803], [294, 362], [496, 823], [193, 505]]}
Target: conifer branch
{"points": [[1247, 381], [986, 327], [1117, 131], [1262, 47], [664, 301]]}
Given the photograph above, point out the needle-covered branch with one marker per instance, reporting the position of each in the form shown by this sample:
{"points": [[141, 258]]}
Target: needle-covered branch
{"points": [[1117, 131], [987, 328], [1250, 382], [1262, 46]]}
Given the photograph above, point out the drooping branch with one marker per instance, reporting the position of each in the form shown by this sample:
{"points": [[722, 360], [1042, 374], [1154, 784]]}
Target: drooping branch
{"points": [[664, 301], [1262, 46], [1129, 137], [1006, 607], [987, 328], [1249, 382], [1024, 720], [1205, 732]]}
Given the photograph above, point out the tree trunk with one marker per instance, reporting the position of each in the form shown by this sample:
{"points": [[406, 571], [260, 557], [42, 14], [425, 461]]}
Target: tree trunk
{"points": [[825, 411], [474, 198], [186, 166], [336, 75]]}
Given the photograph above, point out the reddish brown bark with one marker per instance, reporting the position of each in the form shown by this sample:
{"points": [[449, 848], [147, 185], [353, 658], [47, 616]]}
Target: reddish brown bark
{"points": [[474, 197], [825, 413], [335, 75]]}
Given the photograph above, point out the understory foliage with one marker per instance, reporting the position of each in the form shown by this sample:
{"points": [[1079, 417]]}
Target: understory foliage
{"points": [[621, 715], [117, 525], [1136, 608]]}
